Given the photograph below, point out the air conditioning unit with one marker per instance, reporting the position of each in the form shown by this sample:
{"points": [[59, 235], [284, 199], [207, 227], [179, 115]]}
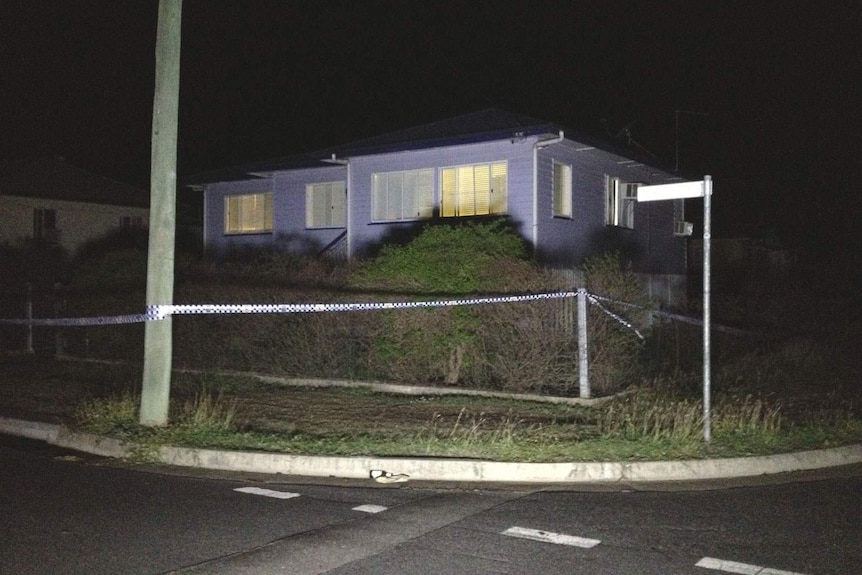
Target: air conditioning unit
{"points": [[683, 228]]}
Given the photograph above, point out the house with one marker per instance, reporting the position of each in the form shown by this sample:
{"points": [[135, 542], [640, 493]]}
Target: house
{"points": [[569, 196], [742, 261], [48, 200]]}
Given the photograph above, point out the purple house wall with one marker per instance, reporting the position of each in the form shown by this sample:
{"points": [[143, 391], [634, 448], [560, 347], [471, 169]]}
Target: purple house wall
{"points": [[652, 244], [529, 149]]}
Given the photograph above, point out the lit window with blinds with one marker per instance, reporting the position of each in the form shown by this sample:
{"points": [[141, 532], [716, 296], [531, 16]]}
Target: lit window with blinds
{"points": [[562, 190], [476, 190], [325, 205], [248, 213], [405, 195]]}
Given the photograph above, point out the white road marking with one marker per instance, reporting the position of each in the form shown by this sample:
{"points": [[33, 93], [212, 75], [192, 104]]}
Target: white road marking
{"points": [[548, 537], [741, 568], [267, 492], [370, 508]]}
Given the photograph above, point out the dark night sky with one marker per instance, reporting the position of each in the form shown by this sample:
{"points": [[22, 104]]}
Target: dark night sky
{"points": [[778, 80]]}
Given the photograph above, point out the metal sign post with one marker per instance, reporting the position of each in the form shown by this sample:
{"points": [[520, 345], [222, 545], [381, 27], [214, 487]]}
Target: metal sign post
{"points": [[703, 190], [707, 236]]}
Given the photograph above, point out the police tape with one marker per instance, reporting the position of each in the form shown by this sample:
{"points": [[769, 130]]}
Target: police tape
{"points": [[596, 300], [160, 312], [79, 321]]}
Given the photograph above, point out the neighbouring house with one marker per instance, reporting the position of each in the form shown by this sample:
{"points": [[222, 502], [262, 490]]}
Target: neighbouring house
{"points": [[742, 262], [50, 201], [569, 196]]}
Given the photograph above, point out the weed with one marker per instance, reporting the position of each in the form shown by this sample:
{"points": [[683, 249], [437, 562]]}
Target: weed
{"points": [[108, 416], [658, 415], [746, 415], [206, 413]]}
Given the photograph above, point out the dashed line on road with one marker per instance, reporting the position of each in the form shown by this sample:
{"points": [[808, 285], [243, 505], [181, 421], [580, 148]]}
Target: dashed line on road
{"points": [[741, 568], [370, 508], [267, 492], [548, 537]]}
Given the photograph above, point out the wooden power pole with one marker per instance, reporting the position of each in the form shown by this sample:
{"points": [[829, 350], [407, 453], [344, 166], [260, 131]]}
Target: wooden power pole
{"points": [[158, 342]]}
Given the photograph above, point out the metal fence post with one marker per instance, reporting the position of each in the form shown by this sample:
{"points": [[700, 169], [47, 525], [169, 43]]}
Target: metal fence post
{"points": [[583, 355], [707, 234], [29, 316], [58, 309]]}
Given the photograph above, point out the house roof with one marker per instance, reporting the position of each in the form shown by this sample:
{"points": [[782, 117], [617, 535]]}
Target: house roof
{"points": [[485, 125], [54, 178], [482, 126]]}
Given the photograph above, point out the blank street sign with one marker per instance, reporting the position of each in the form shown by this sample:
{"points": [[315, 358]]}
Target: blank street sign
{"points": [[670, 191]]}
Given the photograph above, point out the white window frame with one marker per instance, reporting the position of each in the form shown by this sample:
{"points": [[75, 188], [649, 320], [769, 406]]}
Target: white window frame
{"points": [[562, 185], [621, 198], [132, 222], [402, 195], [325, 205], [248, 213], [44, 223], [460, 196]]}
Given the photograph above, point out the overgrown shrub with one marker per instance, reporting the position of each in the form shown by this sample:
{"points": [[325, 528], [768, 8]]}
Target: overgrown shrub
{"points": [[312, 345], [519, 347], [105, 282], [449, 258], [29, 271], [505, 346], [615, 349]]}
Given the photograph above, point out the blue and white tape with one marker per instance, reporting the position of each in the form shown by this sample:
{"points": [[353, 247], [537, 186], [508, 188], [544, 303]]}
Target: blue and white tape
{"points": [[595, 300], [160, 312], [79, 321]]}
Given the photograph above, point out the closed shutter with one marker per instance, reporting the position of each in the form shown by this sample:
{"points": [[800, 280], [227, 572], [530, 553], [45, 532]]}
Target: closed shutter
{"points": [[402, 195], [499, 195], [423, 199], [448, 193], [378, 197], [482, 190], [473, 190], [267, 212], [325, 205], [465, 191], [248, 213]]}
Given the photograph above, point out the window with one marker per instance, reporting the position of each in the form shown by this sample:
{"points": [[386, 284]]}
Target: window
{"points": [[621, 199], [325, 205], [562, 190], [131, 222], [473, 190], [45, 224], [248, 213], [402, 195]]}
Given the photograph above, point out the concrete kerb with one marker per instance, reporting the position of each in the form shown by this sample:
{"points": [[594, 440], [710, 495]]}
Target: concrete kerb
{"points": [[430, 469], [29, 429]]}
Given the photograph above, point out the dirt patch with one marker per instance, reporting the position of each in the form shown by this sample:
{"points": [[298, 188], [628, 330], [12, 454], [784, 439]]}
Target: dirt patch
{"points": [[49, 390]]}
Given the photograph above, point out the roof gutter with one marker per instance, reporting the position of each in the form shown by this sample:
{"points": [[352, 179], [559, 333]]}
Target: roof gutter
{"points": [[539, 144]]}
